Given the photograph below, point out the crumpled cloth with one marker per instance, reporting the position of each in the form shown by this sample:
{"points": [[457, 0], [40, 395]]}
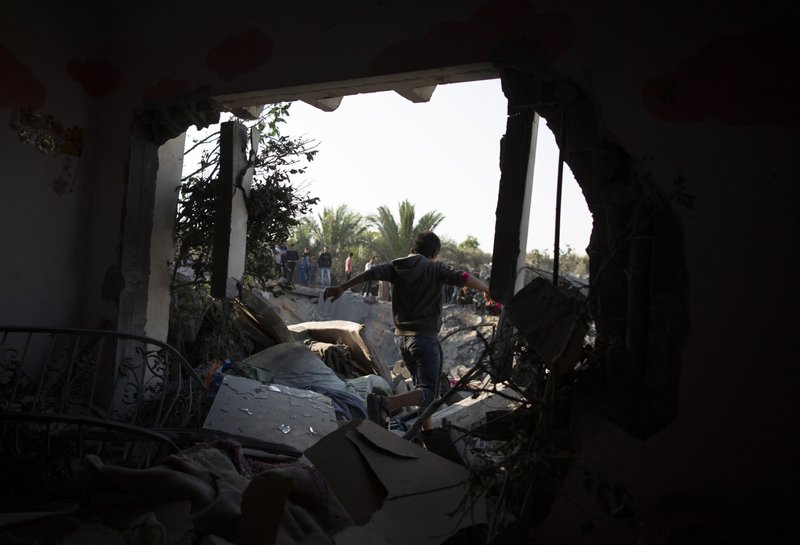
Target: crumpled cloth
{"points": [[312, 513], [346, 405]]}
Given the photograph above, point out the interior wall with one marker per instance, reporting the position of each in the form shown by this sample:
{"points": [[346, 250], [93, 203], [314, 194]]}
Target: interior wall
{"points": [[45, 196], [700, 98]]}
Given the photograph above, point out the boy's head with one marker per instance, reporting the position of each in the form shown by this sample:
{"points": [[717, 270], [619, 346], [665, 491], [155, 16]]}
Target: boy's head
{"points": [[427, 244]]}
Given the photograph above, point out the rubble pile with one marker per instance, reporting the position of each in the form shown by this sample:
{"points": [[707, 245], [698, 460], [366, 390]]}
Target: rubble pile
{"points": [[462, 325], [285, 454]]}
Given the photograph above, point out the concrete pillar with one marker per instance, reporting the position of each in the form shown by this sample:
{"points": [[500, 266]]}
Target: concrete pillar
{"points": [[513, 203], [154, 172], [136, 232], [162, 239], [525, 216], [230, 214]]}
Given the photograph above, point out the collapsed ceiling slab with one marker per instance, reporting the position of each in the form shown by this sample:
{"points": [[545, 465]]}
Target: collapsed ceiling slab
{"points": [[415, 86], [417, 94], [325, 104]]}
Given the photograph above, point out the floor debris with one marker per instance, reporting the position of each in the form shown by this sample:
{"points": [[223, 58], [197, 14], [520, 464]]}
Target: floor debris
{"points": [[271, 412], [311, 470]]}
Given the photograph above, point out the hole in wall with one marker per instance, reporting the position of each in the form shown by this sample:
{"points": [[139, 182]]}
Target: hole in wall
{"points": [[606, 173], [379, 149]]}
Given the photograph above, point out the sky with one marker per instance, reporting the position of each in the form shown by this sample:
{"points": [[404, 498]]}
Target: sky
{"points": [[380, 149]]}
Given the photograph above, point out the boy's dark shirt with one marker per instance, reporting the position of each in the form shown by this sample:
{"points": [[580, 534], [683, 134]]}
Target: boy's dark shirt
{"points": [[417, 292]]}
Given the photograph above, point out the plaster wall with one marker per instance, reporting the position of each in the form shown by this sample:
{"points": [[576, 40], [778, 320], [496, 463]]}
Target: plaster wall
{"points": [[45, 197], [729, 445]]}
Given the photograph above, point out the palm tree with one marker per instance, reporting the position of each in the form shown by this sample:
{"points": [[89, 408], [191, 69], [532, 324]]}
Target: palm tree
{"points": [[395, 237], [339, 229], [302, 234]]}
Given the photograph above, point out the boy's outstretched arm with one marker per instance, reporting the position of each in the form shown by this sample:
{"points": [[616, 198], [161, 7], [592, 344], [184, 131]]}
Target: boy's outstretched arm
{"points": [[334, 292], [476, 284]]}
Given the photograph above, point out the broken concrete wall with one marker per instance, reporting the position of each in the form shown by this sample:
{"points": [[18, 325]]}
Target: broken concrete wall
{"points": [[460, 336], [682, 160]]}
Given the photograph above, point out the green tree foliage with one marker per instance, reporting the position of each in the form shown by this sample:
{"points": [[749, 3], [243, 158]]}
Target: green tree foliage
{"points": [[301, 235], [541, 259], [569, 262], [465, 255], [469, 244], [395, 235], [273, 206], [340, 229], [365, 251]]}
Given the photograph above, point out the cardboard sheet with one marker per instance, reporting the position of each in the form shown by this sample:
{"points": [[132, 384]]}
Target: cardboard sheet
{"points": [[396, 492]]}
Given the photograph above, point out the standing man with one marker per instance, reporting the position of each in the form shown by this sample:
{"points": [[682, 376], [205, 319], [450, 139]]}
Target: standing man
{"points": [[277, 256], [292, 257], [348, 266], [368, 266], [312, 272], [325, 261], [302, 266], [284, 249], [417, 281]]}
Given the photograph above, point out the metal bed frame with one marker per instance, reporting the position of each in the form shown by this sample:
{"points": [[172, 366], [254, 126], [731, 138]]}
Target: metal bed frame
{"points": [[73, 392]]}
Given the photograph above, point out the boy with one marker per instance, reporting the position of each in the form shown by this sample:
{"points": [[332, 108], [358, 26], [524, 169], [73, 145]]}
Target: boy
{"points": [[417, 281]]}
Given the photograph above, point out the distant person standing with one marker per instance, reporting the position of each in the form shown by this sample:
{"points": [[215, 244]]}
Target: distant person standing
{"points": [[449, 294], [312, 272], [368, 266], [325, 261], [277, 256], [348, 266], [284, 249], [292, 257], [302, 266]]}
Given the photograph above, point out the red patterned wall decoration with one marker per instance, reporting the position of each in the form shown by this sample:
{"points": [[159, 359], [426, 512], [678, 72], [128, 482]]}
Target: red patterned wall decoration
{"points": [[164, 89], [239, 54], [98, 77], [453, 43], [740, 80], [20, 88]]}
